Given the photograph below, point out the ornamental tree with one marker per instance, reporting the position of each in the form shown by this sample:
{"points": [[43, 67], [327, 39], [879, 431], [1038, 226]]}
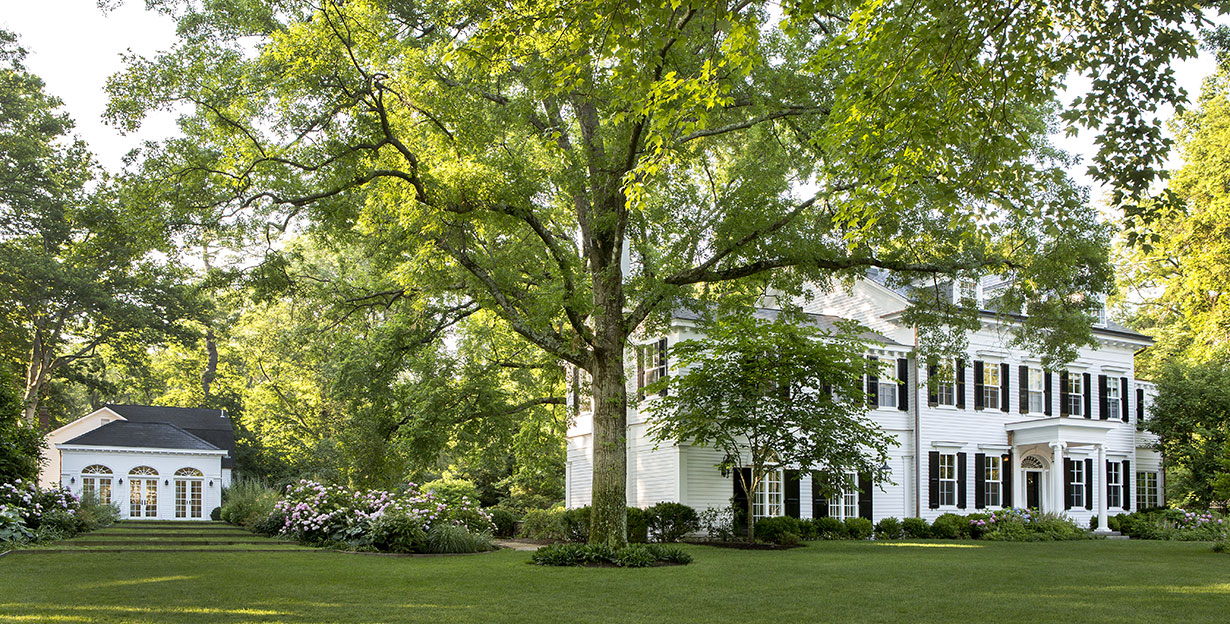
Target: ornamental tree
{"points": [[771, 394], [578, 168]]}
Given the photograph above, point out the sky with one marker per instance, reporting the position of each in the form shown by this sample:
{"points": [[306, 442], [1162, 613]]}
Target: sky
{"points": [[74, 47]]}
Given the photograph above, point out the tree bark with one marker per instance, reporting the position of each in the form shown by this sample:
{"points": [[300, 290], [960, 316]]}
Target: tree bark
{"points": [[211, 364], [609, 514]]}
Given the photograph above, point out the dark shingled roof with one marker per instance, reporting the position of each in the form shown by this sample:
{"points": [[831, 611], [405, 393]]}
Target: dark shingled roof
{"points": [[144, 435], [822, 321], [210, 425]]}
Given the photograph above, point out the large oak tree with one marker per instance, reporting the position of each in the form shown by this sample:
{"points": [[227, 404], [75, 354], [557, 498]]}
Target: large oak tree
{"points": [[578, 168]]}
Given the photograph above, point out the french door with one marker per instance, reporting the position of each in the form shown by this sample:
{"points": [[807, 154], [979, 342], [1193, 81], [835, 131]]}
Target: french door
{"points": [[142, 497], [187, 498]]}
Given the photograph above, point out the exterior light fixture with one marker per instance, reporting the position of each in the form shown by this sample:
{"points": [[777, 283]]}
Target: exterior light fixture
{"points": [[121, 480], [72, 479], [886, 467], [166, 482], [211, 483]]}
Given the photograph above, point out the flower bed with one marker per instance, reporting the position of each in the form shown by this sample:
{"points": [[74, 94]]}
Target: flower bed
{"points": [[1173, 524], [598, 555], [30, 515]]}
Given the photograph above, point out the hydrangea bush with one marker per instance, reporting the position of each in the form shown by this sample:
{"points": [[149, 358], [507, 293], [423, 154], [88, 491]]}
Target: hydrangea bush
{"points": [[1173, 524], [28, 513], [395, 521]]}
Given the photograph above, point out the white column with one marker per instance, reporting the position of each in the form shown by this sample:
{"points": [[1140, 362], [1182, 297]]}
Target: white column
{"points": [[1099, 492], [1057, 477], [1018, 481]]}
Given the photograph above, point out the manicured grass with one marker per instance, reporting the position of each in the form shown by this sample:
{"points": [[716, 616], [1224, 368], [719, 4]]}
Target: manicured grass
{"points": [[1098, 581]]}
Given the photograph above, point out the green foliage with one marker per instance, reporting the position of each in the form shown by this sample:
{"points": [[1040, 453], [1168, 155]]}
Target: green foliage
{"points": [[19, 441], [828, 529], [1173, 524], [248, 502], [1221, 546], [779, 529], [450, 489], [445, 537], [270, 525], [638, 525], [545, 524], [576, 524], [1191, 416], [950, 526], [669, 522], [889, 529], [717, 524], [505, 522], [399, 532], [858, 528], [631, 556], [916, 528]]}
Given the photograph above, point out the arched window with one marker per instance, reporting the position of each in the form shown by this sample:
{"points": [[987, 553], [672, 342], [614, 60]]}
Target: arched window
{"points": [[96, 483], [188, 493], [143, 492], [143, 470]]}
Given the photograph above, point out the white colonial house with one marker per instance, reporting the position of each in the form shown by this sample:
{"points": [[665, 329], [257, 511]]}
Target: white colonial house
{"points": [[1002, 432], [159, 463]]}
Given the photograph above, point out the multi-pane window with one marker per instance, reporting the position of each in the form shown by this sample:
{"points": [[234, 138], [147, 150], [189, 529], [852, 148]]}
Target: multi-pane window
{"points": [[653, 362], [1076, 394], [990, 385], [946, 386], [767, 500], [1146, 490], [188, 493], [993, 475], [1037, 391], [1114, 484], [96, 483], [846, 505], [887, 393], [948, 480], [1076, 483], [1112, 399]]}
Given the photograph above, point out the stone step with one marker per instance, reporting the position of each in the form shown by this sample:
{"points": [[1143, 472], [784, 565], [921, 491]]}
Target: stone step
{"points": [[205, 542], [110, 533]]}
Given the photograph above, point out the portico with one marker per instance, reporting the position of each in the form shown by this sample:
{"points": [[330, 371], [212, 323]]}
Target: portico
{"points": [[1039, 448]]}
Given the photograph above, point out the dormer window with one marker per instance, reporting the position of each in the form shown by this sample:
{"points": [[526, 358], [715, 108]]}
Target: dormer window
{"points": [[1101, 314]]}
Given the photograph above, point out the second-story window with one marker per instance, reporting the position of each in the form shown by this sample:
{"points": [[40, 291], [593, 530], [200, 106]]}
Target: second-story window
{"points": [[1076, 395], [946, 387], [886, 393], [1112, 400], [990, 385], [1037, 391], [651, 363]]}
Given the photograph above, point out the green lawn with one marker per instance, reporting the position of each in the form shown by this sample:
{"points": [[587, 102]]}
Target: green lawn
{"points": [[1099, 581]]}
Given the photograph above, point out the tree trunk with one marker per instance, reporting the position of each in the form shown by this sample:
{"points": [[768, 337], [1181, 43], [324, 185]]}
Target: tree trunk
{"points": [[211, 364], [36, 376], [609, 514]]}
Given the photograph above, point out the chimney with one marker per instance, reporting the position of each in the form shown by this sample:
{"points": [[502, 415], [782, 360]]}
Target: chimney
{"points": [[44, 418], [222, 412]]}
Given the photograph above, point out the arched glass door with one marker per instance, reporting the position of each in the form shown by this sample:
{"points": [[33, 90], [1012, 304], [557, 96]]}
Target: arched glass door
{"points": [[96, 482], [188, 493], [143, 492]]}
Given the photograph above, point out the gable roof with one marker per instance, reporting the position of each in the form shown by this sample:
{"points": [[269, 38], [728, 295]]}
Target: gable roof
{"points": [[211, 425], [143, 435], [826, 322]]}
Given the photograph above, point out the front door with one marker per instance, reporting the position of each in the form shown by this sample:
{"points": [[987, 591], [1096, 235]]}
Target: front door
{"points": [[1033, 489], [187, 498], [142, 497]]}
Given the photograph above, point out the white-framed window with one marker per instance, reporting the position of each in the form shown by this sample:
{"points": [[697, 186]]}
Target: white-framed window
{"points": [[846, 505], [1076, 483], [651, 362], [887, 394], [990, 385], [1037, 391], [768, 499], [188, 493], [96, 481], [1147, 493], [1114, 484], [1100, 314], [993, 475], [948, 480], [1076, 394], [946, 386], [1113, 404]]}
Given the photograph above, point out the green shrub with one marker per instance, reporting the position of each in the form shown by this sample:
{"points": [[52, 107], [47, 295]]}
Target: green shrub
{"points": [[631, 556], [828, 529], [638, 525], [215, 514], [718, 524], [544, 524], [1222, 546], [858, 528], [576, 524], [504, 521], [399, 532], [92, 514], [446, 537], [270, 525], [1174, 524], [247, 502], [774, 529], [889, 529], [915, 528], [1021, 525], [669, 522], [950, 526], [452, 490]]}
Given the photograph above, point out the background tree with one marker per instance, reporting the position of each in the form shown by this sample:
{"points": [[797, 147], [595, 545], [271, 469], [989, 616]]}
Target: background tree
{"points": [[579, 168], [773, 394], [1191, 416]]}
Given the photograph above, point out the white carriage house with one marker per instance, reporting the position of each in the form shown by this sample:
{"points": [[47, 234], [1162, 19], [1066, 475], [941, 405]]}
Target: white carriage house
{"points": [[1000, 432], [153, 463]]}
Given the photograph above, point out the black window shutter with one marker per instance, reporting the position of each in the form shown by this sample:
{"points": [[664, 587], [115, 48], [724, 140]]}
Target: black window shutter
{"points": [[1063, 393], [740, 499], [1047, 408], [864, 495], [1140, 405], [933, 398], [1067, 483], [903, 391], [662, 362], [1022, 392], [1005, 477], [1103, 398], [1088, 397], [819, 504], [978, 365], [960, 373], [1123, 399], [933, 480], [792, 492], [1106, 486], [1088, 484], [640, 372], [1003, 387], [873, 389], [1126, 480], [980, 481], [962, 477]]}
